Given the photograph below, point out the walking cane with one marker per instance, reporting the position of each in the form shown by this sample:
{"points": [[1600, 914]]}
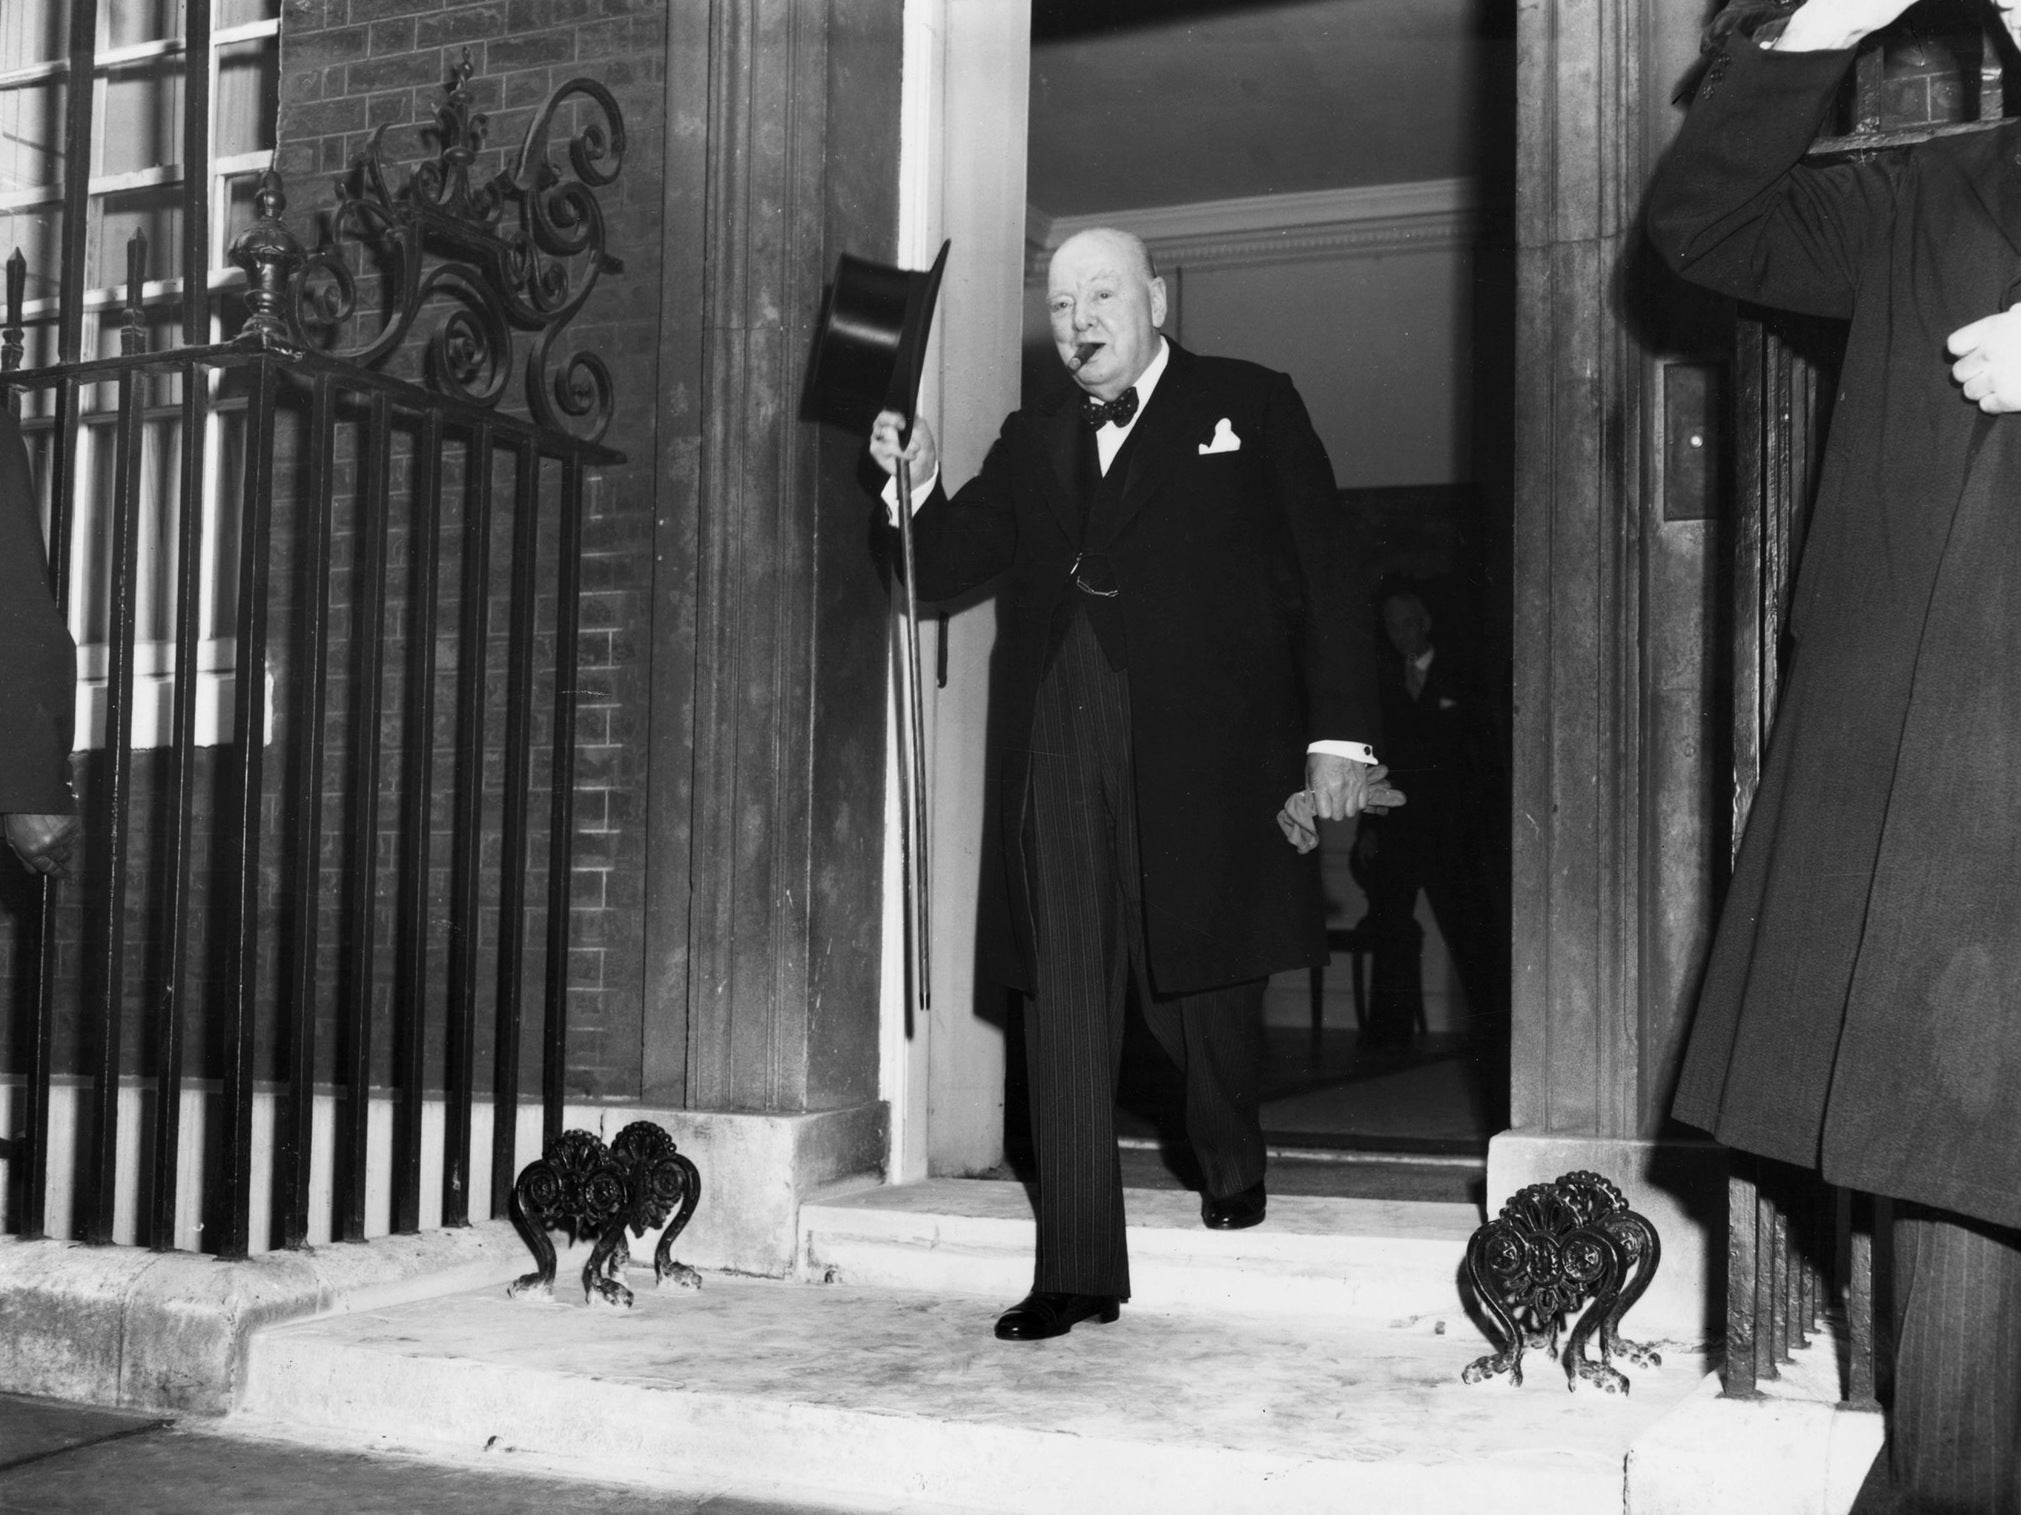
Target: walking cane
{"points": [[912, 740], [869, 355]]}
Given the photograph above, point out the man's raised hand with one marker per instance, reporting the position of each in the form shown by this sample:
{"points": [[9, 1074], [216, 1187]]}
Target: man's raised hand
{"points": [[1988, 366], [922, 457]]}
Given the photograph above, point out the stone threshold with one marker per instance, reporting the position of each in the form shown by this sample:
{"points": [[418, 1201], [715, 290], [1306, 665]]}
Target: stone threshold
{"points": [[899, 1399]]}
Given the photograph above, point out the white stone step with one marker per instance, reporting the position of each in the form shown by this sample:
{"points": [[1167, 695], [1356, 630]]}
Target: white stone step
{"points": [[1375, 1262], [897, 1400]]}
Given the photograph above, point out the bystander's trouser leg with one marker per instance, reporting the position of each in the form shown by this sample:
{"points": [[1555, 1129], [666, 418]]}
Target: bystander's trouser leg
{"points": [[1954, 1428]]}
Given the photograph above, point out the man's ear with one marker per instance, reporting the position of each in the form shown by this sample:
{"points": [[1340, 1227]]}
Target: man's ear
{"points": [[1158, 301]]}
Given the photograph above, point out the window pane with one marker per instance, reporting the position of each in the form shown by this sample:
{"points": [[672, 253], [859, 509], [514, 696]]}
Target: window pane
{"points": [[39, 235], [31, 136], [239, 12], [241, 211], [156, 211], [248, 102], [130, 21], [143, 116], [33, 31]]}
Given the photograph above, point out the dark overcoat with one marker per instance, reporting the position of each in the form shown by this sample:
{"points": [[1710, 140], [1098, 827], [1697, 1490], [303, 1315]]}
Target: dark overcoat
{"points": [[1862, 1006], [1245, 619], [38, 660]]}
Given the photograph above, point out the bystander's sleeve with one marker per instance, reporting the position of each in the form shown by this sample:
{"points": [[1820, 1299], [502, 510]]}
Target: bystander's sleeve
{"points": [[38, 659], [1734, 207]]}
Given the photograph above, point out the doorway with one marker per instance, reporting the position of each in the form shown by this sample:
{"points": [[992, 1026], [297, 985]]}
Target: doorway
{"points": [[1324, 184]]}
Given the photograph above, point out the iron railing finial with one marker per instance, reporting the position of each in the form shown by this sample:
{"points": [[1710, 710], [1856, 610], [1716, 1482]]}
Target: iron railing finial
{"points": [[270, 255]]}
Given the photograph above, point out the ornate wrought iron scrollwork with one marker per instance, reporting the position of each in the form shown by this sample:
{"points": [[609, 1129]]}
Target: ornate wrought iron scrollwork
{"points": [[520, 252], [640, 1181], [1557, 1248]]}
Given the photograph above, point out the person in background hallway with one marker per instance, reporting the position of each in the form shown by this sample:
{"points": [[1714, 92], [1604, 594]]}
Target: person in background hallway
{"points": [[1435, 745], [1163, 543], [1861, 1011], [38, 676]]}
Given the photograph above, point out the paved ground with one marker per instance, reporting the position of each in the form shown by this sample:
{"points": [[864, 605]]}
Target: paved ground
{"points": [[56, 1459]]}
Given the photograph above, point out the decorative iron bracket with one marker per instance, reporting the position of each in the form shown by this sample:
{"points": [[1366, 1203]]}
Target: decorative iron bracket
{"points": [[594, 1191], [530, 273], [1555, 1248]]}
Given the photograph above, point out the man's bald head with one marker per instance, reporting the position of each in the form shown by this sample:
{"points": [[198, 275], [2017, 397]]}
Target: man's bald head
{"points": [[1124, 245], [1105, 302]]}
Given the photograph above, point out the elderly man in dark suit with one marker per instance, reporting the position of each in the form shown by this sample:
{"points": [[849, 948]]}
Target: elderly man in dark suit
{"points": [[38, 676], [1179, 652], [1862, 1008]]}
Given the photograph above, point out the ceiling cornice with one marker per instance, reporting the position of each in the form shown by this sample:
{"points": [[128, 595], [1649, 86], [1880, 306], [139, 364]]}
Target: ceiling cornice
{"points": [[1362, 221]]}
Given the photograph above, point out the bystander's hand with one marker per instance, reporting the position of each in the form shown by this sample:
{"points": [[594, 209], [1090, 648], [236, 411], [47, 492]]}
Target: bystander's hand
{"points": [[1989, 361], [921, 456], [1828, 25], [42, 842]]}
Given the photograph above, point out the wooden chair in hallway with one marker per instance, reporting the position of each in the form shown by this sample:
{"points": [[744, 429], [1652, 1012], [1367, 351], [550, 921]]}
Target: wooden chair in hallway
{"points": [[1358, 942]]}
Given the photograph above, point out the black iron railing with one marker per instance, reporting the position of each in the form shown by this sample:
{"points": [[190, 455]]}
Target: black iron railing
{"points": [[1800, 1260], [370, 442]]}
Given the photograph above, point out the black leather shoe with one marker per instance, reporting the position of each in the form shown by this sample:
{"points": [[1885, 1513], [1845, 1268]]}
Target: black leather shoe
{"points": [[1235, 1213], [1041, 1314]]}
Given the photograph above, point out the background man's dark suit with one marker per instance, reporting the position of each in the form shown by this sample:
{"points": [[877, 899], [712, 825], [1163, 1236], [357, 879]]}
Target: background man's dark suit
{"points": [[1862, 1008], [1436, 745], [38, 660]]}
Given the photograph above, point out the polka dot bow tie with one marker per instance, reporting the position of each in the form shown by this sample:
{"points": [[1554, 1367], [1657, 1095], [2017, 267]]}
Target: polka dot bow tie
{"points": [[1121, 410]]}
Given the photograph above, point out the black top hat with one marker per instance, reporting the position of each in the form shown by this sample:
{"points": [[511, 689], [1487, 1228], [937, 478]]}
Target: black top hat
{"points": [[871, 349]]}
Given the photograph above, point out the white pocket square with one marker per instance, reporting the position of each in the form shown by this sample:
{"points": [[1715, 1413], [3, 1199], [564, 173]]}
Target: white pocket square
{"points": [[1225, 439]]}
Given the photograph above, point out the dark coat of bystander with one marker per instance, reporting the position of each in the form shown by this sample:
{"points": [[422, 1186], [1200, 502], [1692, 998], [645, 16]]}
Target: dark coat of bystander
{"points": [[1859, 1013]]}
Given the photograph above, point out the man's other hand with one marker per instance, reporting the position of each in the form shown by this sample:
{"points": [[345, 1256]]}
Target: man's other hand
{"points": [[921, 456], [1364, 788], [42, 842], [1989, 361], [1341, 788]]}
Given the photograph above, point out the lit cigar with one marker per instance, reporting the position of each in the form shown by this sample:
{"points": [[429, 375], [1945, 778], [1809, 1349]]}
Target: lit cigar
{"points": [[1081, 355]]}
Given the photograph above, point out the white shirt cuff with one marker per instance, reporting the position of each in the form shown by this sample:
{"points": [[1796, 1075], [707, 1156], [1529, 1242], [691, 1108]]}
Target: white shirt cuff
{"points": [[919, 494], [1354, 752]]}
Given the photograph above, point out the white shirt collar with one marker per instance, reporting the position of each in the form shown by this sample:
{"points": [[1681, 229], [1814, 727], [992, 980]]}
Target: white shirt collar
{"points": [[1144, 384], [1148, 379]]}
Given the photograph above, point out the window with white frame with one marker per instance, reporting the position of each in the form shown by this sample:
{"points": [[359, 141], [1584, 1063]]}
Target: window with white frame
{"points": [[137, 177]]}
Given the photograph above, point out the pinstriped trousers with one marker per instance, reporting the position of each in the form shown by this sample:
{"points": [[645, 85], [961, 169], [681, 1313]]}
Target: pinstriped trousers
{"points": [[1954, 1428], [1088, 939]]}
